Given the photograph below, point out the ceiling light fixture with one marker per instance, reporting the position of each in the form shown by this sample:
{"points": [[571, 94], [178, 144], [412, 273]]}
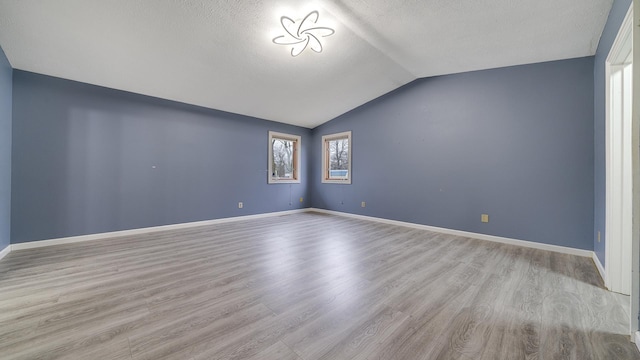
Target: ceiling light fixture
{"points": [[303, 34]]}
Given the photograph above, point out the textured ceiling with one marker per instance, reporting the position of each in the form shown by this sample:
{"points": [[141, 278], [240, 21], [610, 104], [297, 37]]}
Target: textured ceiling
{"points": [[219, 54]]}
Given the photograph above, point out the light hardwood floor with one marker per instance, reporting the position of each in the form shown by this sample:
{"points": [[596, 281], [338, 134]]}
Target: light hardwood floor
{"points": [[305, 286]]}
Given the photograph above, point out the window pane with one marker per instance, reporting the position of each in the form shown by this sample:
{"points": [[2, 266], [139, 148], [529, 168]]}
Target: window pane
{"points": [[282, 161], [338, 158]]}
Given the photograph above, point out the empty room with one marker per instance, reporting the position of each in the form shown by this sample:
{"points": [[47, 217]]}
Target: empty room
{"points": [[330, 179]]}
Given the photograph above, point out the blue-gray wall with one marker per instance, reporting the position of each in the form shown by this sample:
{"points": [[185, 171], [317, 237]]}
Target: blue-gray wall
{"points": [[515, 143], [616, 16], [83, 159], [6, 74]]}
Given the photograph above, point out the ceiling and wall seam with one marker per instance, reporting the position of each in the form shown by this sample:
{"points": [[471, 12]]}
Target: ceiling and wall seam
{"points": [[219, 54]]}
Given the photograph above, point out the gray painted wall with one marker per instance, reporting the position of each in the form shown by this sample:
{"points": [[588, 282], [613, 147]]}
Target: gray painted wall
{"points": [[515, 143], [616, 16], [6, 74], [83, 159]]}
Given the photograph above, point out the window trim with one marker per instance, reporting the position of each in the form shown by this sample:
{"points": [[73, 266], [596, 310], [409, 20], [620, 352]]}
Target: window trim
{"points": [[325, 161], [296, 158]]}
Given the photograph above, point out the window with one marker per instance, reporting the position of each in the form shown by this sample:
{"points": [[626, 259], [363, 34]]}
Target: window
{"points": [[284, 158], [336, 158]]}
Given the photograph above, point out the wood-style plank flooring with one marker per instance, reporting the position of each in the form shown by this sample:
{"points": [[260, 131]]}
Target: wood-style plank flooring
{"points": [[305, 286]]}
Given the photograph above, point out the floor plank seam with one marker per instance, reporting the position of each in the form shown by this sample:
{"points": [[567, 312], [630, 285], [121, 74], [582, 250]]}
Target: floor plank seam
{"points": [[129, 343]]}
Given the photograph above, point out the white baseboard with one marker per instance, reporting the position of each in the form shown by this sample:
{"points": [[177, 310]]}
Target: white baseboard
{"points": [[100, 236], [596, 260], [503, 240], [90, 237], [636, 339], [5, 251]]}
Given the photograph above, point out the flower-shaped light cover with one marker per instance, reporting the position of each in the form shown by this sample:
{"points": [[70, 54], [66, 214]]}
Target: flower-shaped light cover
{"points": [[303, 35]]}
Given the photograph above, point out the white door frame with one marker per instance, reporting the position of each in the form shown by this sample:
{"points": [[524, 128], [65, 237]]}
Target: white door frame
{"points": [[618, 161], [635, 159], [621, 169]]}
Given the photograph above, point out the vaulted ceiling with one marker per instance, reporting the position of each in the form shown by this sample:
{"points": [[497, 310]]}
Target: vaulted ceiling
{"points": [[221, 54]]}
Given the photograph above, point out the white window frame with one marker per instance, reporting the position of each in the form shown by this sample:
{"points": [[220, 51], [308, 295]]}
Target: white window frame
{"points": [[296, 158], [325, 158]]}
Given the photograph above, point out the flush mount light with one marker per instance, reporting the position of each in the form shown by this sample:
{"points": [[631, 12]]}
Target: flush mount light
{"points": [[303, 33]]}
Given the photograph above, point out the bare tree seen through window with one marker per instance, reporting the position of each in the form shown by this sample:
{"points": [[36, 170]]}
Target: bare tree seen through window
{"points": [[338, 157], [283, 158]]}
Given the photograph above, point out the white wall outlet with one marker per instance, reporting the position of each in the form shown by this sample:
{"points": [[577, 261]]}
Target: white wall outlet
{"points": [[484, 218], [240, 205], [363, 204]]}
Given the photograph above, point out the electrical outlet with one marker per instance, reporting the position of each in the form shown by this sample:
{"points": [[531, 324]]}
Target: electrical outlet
{"points": [[598, 236], [301, 199], [484, 218], [240, 205], [363, 204]]}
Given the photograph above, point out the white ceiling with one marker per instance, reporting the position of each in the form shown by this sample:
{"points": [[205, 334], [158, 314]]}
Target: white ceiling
{"points": [[219, 53]]}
